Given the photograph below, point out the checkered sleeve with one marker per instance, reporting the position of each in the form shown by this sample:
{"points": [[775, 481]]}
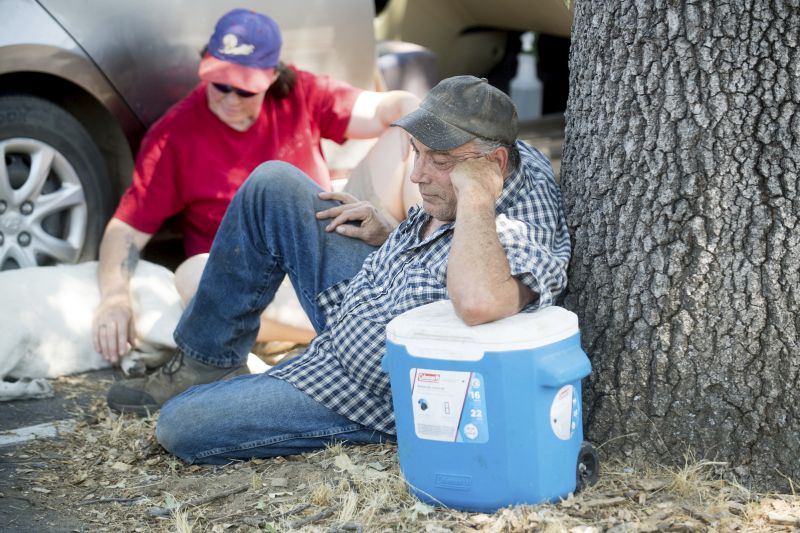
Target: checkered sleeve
{"points": [[534, 232]]}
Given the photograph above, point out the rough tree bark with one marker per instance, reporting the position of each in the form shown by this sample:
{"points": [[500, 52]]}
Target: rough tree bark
{"points": [[680, 176]]}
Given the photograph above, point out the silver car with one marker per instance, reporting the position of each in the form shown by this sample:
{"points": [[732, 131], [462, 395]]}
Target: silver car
{"points": [[80, 82]]}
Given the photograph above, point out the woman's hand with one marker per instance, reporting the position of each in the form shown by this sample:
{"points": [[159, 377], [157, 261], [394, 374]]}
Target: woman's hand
{"points": [[113, 329]]}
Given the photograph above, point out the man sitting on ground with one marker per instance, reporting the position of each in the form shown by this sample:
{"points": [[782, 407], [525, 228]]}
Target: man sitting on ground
{"points": [[491, 236]]}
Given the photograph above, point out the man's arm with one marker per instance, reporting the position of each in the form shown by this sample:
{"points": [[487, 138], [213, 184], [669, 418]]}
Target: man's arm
{"points": [[113, 330], [373, 112], [479, 279]]}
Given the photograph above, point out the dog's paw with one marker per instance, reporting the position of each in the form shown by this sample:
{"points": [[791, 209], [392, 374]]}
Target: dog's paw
{"points": [[25, 389], [145, 357], [133, 367]]}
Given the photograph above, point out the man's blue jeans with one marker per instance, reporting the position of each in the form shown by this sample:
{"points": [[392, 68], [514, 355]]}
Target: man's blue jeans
{"points": [[269, 231]]}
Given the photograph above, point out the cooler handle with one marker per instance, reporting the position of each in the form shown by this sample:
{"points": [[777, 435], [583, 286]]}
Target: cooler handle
{"points": [[562, 367]]}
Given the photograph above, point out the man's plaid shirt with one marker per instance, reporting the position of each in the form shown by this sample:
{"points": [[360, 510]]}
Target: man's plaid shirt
{"points": [[342, 366]]}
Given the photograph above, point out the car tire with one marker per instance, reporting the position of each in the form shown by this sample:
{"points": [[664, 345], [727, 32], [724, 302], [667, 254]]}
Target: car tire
{"points": [[55, 196]]}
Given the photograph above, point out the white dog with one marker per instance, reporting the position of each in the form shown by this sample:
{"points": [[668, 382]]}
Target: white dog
{"points": [[46, 324]]}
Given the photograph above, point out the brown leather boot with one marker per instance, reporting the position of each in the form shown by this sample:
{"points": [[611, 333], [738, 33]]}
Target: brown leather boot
{"points": [[143, 396]]}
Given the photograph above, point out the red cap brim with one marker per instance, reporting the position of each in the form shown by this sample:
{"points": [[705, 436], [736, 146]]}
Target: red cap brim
{"points": [[254, 80]]}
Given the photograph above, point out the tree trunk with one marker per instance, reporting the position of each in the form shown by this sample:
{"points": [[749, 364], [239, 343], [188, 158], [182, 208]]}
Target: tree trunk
{"points": [[680, 177]]}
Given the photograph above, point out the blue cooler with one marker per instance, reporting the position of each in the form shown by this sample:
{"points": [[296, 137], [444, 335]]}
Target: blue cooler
{"points": [[487, 416]]}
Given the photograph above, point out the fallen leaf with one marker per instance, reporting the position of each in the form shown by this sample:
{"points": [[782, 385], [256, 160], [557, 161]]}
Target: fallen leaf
{"points": [[782, 518], [374, 475], [120, 466], [421, 508], [652, 484], [778, 505], [480, 518], [343, 462], [736, 508], [377, 466], [604, 502], [170, 502]]}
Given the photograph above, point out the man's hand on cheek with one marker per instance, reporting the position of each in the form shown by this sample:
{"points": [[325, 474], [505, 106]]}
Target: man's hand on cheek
{"points": [[478, 175]]}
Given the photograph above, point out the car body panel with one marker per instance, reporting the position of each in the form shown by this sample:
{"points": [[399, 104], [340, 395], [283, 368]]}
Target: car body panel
{"points": [[152, 61], [48, 49]]}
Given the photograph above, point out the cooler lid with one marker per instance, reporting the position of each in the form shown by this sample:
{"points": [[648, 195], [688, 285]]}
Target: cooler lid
{"points": [[434, 331]]}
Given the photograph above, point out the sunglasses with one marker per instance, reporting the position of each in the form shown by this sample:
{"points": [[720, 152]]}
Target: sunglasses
{"points": [[231, 89]]}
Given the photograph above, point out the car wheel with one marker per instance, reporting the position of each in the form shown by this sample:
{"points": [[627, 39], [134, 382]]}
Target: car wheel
{"points": [[55, 197]]}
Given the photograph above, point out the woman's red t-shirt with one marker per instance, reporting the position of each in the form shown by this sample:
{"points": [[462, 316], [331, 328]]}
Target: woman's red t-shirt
{"points": [[191, 163]]}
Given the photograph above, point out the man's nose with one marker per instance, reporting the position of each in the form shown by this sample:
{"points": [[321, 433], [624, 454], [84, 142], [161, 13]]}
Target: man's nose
{"points": [[417, 171]]}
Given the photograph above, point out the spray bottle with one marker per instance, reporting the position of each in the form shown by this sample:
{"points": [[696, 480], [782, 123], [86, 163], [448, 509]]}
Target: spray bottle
{"points": [[526, 89]]}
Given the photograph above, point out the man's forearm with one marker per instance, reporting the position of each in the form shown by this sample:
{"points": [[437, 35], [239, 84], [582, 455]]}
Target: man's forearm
{"points": [[479, 279]]}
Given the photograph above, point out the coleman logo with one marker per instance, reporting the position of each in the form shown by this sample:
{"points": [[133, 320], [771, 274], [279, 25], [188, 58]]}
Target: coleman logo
{"points": [[429, 377], [231, 46], [453, 481]]}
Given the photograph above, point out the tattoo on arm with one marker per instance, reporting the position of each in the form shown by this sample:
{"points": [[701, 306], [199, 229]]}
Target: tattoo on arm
{"points": [[128, 265]]}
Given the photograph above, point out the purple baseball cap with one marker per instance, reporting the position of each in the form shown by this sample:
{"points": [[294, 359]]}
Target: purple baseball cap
{"points": [[243, 50]]}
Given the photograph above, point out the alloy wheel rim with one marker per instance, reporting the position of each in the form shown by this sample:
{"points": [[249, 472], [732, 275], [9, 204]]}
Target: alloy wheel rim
{"points": [[43, 209]]}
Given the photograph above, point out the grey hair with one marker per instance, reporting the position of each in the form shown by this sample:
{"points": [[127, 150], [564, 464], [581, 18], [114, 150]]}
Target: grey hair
{"points": [[489, 145]]}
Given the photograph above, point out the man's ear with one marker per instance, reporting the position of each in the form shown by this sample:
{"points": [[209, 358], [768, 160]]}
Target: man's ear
{"points": [[500, 156]]}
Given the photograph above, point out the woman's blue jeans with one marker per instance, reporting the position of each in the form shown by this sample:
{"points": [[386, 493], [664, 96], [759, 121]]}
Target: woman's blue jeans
{"points": [[269, 231]]}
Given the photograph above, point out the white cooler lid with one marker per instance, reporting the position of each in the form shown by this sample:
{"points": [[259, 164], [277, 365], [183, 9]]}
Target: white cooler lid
{"points": [[434, 331]]}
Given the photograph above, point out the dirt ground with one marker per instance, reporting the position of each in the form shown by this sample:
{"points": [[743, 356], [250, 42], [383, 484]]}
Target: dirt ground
{"points": [[111, 475]]}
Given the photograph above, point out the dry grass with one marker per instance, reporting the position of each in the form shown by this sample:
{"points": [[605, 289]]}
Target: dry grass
{"points": [[112, 476], [182, 524]]}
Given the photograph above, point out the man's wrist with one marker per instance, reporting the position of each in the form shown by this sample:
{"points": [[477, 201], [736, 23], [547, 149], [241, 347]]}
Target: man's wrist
{"points": [[476, 195]]}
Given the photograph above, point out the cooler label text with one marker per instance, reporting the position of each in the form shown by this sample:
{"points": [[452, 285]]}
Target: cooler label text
{"points": [[449, 406]]}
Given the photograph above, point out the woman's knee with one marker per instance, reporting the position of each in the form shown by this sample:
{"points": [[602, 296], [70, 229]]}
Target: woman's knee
{"points": [[187, 276]]}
